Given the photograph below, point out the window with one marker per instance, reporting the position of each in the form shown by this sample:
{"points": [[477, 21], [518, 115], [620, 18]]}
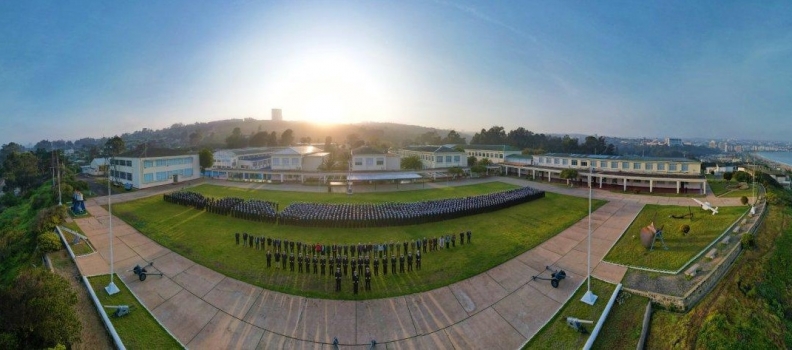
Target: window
{"points": [[380, 161], [149, 178], [456, 159], [439, 159], [555, 160], [564, 161], [295, 161], [188, 172], [603, 164], [500, 156], [661, 166], [276, 161], [625, 165], [648, 166], [614, 165], [685, 167], [162, 176], [358, 161], [547, 160], [583, 163], [129, 163], [636, 166], [672, 167], [148, 164], [574, 162], [369, 161], [448, 159]]}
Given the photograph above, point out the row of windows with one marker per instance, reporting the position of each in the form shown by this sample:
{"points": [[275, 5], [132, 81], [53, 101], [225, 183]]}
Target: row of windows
{"points": [[121, 162], [439, 159], [618, 165], [485, 154], [167, 162], [369, 161], [121, 175], [166, 175], [285, 161]]}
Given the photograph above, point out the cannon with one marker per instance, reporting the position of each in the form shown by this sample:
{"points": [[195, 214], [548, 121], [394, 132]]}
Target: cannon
{"points": [[141, 272], [577, 324], [555, 277], [120, 310]]}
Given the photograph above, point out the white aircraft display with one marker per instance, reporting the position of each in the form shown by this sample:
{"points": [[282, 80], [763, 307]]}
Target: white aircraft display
{"points": [[706, 206]]}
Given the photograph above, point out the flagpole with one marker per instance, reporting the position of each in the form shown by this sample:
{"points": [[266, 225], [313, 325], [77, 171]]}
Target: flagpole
{"points": [[589, 298], [111, 288]]}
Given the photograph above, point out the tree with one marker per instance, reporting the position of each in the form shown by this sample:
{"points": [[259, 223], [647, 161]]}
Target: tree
{"points": [[411, 163], [742, 176], [744, 200], [569, 174], [496, 135], [471, 161], [260, 139], [456, 171], [728, 176], [429, 138], [287, 138], [195, 138], [485, 162], [9, 148], [205, 159], [114, 146], [236, 139], [38, 309], [21, 170], [49, 242]]}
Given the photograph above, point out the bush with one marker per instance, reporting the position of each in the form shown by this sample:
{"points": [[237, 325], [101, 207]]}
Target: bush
{"points": [[47, 219], [684, 229], [49, 242], [747, 241], [744, 200], [10, 200], [79, 185]]}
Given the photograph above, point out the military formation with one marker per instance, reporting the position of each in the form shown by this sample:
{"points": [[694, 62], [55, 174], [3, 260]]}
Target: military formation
{"points": [[353, 261], [357, 215]]}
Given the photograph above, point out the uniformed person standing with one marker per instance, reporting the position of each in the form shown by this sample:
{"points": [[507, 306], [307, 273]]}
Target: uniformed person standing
{"points": [[409, 261], [269, 258], [462, 238], [324, 262], [283, 259], [368, 278], [244, 239], [236, 235], [291, 262], [453, 241], [376, 266], [418, 260], [316, 264], [385, 266], [468, 237], [300, 263], [344, 263], [338, 279], [401, 263], [393, 263], [355, 280]]}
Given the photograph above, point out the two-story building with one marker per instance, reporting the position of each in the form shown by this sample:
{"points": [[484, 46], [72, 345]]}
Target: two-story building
{"points": [[495, 153], [436, 157], [625, 172], [367, 158], [156, 167]]}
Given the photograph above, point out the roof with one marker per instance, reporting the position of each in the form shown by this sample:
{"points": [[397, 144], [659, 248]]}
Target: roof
{"points": [[367, 150], [492, 148], [99, 161], [383, 176], [624, 158], [297, 150], [156, 152], [431, 149]]}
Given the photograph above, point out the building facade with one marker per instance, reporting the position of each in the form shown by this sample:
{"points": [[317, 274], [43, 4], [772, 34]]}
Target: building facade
{"points": [[436, 157], [370, 159], [495, 153], [145, 172]]}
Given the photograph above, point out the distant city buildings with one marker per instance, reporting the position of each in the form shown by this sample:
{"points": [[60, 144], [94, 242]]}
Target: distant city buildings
{"points": [[673, 142]]}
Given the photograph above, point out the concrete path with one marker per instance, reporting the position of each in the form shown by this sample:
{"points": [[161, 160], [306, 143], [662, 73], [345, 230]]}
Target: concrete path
{"points": [[498, 309]]}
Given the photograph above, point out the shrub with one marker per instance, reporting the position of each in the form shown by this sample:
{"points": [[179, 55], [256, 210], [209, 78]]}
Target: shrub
{"points": [[744, 200], [49, 242], [10, 200], [47, 219], [747, 241], [684, 229]]}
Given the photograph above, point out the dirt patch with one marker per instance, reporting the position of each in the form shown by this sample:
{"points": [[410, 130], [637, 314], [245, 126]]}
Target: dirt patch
{"points": [[93, 335]]}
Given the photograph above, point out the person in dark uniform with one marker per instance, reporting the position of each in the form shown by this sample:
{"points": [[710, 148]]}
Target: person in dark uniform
{"points": [[462, 238], [316, 264], [338, 279], [468, 237], [368, 278], [324, 262], [425, 243], [300, 263], [385, 266], [418, 260], [355, 280], [453, 241], [250, 239], [269, 259], [344, 263], [307, 263], [244, 239], [405, 246], [376, 266], [283, 259], [401, 263], [360, 265], [409, 261], [393, 263], [236, 235], [332, 266]]}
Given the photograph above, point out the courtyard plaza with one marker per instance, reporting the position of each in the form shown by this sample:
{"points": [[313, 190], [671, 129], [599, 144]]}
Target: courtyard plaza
{"points": [[498, 309]]}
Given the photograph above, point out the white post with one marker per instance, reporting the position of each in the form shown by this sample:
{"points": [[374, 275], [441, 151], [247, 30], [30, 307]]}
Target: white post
{"points": [[60, 195], [589, 298], [111, 288]]}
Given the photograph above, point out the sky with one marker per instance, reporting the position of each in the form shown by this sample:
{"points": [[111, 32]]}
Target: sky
{"points": [[710, 69]]}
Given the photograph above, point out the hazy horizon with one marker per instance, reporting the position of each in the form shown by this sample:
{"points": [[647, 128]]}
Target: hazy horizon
{"points": [[714, 70]]}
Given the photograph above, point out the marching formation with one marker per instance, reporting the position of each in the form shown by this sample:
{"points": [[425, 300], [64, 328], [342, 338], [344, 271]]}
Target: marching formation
{"points": [[348, 260], [357, 215]]}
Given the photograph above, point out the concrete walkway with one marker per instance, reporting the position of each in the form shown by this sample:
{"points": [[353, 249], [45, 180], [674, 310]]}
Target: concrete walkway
{"points": [[498, 309]]}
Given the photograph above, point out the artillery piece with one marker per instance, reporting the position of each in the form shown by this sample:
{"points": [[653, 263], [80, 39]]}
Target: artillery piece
{"points": [[577, 324], [555, 277], [141, 272], [120, 310]]}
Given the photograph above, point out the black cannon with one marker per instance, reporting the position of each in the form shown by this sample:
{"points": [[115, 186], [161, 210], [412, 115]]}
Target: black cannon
{"points": [[555, 276], [141, 272]]}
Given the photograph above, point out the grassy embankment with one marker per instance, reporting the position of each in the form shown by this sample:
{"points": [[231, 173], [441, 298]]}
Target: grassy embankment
{"points": [[208, 239], [704, 228], [730, 189]]}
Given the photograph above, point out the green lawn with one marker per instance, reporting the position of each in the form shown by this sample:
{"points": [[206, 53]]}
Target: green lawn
{"points": [[557, 335], [722, 188], [622, 328], [704, 228], [138, 330], [80, 248], [208, 239]]}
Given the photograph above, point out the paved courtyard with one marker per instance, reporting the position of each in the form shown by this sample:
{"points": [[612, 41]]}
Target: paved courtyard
{"points": [[498, 309]]}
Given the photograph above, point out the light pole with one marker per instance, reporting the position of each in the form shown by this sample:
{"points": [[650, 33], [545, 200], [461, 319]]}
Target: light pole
{"points": [[111, 288], [589, 298]]}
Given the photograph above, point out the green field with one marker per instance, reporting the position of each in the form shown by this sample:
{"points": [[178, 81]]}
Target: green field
{"points": [[556, 334], [139, 329], [622, 328], [729, 189], [208, 239], [704, 228], [81, 248]]}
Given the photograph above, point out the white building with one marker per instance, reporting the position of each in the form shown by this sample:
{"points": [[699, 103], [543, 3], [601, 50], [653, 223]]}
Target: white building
{"points": [[495, 153], [159, 167], [673, 142], [291, 158], [255, 157], [436, 157], [370, 159], [97, 167]]}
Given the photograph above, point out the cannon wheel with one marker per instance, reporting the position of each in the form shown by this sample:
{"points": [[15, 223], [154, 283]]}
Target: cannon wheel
{"points": [[554, 283], [142, 276]]}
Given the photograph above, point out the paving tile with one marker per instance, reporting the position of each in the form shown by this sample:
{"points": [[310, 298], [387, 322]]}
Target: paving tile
{"points": [[270, 340], [153, 291], [199, 280], [484, 330], [434, 310], [233, 297], [227, 332], [477, 293], [527, 310], [383, 320], [559, 245], [512, 274], [538, 258], [326, 319], [433, 341], [172, 264], [184, 315], [277, 312]]}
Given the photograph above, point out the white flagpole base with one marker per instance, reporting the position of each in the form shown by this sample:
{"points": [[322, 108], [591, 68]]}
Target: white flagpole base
{"points": [[112, 289], [590, 298]]}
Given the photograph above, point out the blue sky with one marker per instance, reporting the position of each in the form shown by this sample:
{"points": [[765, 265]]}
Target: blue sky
{"points": [[713, 69]]}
